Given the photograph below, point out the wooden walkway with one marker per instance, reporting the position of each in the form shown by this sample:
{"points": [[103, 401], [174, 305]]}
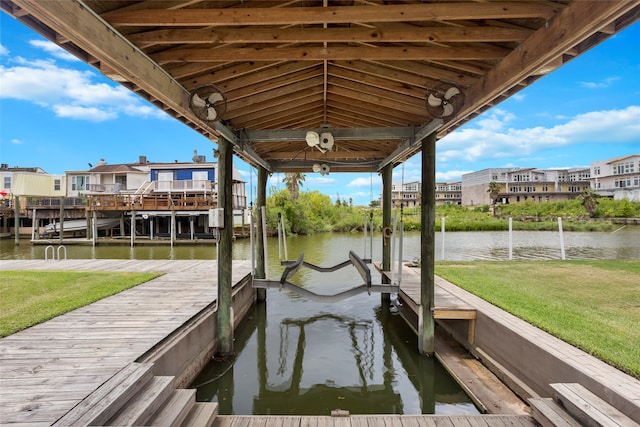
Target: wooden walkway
{"points": [[49, 368]]}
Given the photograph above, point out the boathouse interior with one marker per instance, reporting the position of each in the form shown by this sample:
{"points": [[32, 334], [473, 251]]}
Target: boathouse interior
{"points": [[325, 86]]}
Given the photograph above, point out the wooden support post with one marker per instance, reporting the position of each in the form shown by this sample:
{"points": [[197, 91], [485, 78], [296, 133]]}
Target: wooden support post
{"points": [[261, 200], [34, 224], [225, 248], [122, 234], [172, 226], [387, 175], [61, 230], [426, 322], [133, 227], [87, 215], [16, 220], [94, 228]]}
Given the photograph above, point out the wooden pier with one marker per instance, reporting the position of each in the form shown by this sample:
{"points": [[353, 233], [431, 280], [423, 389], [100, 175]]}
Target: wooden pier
{"points": [[48, 369]]}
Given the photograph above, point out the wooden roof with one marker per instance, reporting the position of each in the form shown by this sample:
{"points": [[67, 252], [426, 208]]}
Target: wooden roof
{"points": [[360, 69]]}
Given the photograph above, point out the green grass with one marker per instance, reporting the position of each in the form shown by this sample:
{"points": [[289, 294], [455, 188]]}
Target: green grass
{"points": [[594, 305], [31, 297]]}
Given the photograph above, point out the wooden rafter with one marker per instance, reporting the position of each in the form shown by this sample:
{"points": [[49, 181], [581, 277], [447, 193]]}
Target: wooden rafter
{"points": [[332, 15], [340, 53], [379, 34]]}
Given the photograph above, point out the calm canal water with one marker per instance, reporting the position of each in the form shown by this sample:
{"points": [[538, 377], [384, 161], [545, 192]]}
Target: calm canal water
{"points": [[294, 356], [460, 246]]}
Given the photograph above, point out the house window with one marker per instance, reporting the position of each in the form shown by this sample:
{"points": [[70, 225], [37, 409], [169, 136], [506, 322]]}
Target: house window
{"points": [[79, 183], [7, 183], [57, 184], [545, 187]]}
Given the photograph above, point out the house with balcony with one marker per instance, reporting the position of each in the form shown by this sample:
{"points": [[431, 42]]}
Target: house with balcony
{"points": [[160, 199], [618, 178], [521, 184]]}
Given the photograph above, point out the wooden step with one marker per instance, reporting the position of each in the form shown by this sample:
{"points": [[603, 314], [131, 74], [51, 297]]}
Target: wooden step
{"points": [[203, 414], [549, 414], [145, 404], [587, 408], [175, 410], [110, 397]]}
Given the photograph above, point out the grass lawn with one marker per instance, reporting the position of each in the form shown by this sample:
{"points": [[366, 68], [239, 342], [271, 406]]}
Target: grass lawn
{"points": [[31, 297], [594, 305]]}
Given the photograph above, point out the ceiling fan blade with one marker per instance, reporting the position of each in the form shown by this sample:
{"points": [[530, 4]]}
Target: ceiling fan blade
{"points": [[197, 101], [434, 101], [451, 92], [212, 114], [215, 97], [447, 110]]}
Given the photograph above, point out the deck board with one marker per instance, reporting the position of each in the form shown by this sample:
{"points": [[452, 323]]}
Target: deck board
{"points": [[47, 369]]}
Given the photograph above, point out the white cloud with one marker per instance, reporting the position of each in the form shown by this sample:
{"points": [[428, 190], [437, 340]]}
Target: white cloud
{"points": [[16, 141], [85, 113], [601, 84], [492, 139], [70, 93], [3, 50], [53, 49], [518, 97], [360, 182]]}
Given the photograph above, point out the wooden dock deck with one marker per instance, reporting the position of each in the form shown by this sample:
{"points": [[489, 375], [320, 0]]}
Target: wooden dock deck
{"points": [[48, 369]]}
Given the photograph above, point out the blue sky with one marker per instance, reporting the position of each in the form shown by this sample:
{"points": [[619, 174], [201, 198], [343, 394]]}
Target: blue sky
{"points": [[60, 114]]}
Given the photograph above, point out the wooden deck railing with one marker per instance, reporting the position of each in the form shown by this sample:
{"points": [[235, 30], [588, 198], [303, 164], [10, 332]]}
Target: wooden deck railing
{"points": [[151, 202]]}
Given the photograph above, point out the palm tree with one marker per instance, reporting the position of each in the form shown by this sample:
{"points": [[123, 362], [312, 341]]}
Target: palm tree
{"points": [[589, 200], [494, 191], [293, 181]]}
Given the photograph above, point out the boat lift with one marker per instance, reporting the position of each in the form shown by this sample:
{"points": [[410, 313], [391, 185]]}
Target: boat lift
{"points": [[291, 267]]}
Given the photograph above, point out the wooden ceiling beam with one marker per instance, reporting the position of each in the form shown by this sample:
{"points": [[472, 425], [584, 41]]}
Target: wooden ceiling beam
{"points": [[379, 34], [428, 70], [344, 53], [408, 104], [371, 105], [371, 118], [332, 15], [379, 82], [289, 71], [275, 109], [311, 111], [257, 107], [200, 73], [276, 86], [280, 91]]}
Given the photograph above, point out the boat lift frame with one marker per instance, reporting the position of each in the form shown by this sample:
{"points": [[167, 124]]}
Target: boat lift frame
{"points": [[291, 267]]}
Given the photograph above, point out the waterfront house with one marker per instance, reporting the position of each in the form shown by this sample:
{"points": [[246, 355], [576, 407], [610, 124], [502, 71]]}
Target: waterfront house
{"points": [[521, 184], [618, 178]]}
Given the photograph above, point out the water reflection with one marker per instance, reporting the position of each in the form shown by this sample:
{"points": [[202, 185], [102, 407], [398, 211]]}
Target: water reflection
{"points": [[459, 246], [357, 357]]}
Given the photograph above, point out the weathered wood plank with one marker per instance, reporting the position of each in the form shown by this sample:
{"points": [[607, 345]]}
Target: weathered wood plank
{"points": [[77, 352]]}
